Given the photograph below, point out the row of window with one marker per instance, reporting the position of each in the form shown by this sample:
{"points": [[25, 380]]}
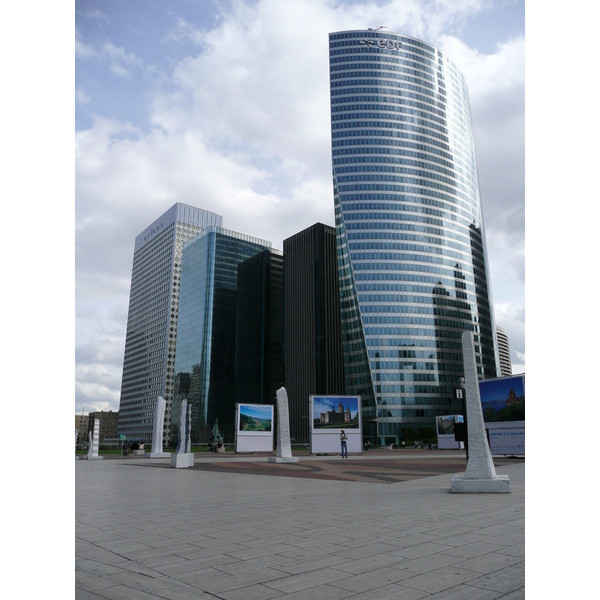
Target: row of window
{"points": [[415, 142]]}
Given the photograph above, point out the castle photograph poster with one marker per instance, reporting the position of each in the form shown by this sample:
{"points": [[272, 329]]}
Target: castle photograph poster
{"points": [[335, 412]]}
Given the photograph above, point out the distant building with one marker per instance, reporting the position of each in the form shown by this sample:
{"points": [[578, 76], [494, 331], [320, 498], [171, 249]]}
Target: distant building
{"points": [[314, 362], [206, 342], [108, 424], [81, 424], [148, 363], [503, 352]]}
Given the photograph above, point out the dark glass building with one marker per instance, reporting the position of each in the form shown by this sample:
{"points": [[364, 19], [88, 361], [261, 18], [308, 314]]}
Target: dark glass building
{"points": [[314, 362], [410, 234], [206, 339], [259, 332]]}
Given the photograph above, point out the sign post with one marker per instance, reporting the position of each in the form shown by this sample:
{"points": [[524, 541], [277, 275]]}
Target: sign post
{"points": [[461, 434]]}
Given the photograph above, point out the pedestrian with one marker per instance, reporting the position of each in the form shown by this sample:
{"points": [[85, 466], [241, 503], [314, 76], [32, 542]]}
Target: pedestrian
{"points": [[344, 442]]}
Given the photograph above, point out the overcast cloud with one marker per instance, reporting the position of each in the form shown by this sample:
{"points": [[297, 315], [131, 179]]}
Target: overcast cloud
{"points": [[225, 106]]}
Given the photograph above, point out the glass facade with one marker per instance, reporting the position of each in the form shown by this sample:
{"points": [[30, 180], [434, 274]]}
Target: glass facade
{"points": [[410, 234], [152, 320], [314, 362], [206, 339], [259, 328]]}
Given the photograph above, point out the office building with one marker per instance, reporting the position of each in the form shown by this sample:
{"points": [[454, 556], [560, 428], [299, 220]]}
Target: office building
{"points": [[410, 231], [149, 357], [503, 352], [314, 361], [259, 328], [81, 425], [108, 424], [205, 349]]}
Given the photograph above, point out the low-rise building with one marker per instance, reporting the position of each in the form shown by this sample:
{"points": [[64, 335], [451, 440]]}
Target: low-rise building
{"points": [[108, 423], [81, 425]]}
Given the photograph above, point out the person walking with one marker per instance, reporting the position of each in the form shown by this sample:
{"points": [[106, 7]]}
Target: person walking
{"points": [[344, 442]]}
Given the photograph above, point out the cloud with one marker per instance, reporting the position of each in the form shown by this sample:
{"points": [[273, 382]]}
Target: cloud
{"points": [[184, 31], [95, 386], [242, 128], [96, 14], [83, 51], [120, 60], [82, 97]]}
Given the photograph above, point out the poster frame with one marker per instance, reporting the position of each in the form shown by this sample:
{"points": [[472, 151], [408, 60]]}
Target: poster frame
{"points": [[327, 441], [253, 441]]}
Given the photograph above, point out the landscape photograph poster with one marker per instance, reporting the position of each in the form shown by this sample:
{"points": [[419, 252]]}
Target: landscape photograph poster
{"points": [[503, 399], [445, 424], [255, 418], [335, 412]]}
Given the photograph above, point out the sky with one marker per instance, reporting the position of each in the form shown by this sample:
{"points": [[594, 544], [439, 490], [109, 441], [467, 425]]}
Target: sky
{"points": [[224, 105], [256, 411]]}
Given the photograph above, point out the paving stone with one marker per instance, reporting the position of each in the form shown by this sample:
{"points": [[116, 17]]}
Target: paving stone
{"points": [[252, 592], [516, 595], [318, 535], [142, 582], [439, 579], [82, 594], [190, 577], [430, 562], [294, 583], [369, 563], [474, 549], [372, 580], [394, 591], [124, 592], [181, 593], [91, 582], [505, 580], [489, 562], [466, 592], [217, 585], [323, 592], [516, 550]]}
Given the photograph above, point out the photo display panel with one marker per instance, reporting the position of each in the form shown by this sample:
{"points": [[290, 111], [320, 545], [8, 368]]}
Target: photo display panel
{"points": [[329, 415], [254, 428], [445, 432], [503, 406]]}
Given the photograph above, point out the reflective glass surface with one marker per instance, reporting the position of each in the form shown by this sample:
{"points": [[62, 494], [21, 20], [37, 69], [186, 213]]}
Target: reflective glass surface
{"points": [[411, 241], [206, 338]]}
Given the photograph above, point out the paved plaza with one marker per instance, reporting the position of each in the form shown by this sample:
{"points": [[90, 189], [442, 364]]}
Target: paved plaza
{"points": [[379, 526]]}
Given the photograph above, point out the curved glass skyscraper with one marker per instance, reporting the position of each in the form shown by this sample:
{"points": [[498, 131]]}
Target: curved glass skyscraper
{"points": [[411, 243]]}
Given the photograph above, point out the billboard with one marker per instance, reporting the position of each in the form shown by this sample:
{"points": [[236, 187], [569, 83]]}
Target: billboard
{"points": [[254, 428], [335, 412], [503, 406], [445, 432], [331, 414], [503, 399]]}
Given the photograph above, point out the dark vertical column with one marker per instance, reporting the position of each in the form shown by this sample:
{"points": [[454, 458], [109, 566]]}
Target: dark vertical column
{"points": [[313, 345]]}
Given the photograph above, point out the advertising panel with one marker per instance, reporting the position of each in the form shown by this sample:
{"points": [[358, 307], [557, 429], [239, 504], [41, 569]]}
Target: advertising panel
{"points": [[331, 414], [254, 428], [445, 432], [503, 405]]}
